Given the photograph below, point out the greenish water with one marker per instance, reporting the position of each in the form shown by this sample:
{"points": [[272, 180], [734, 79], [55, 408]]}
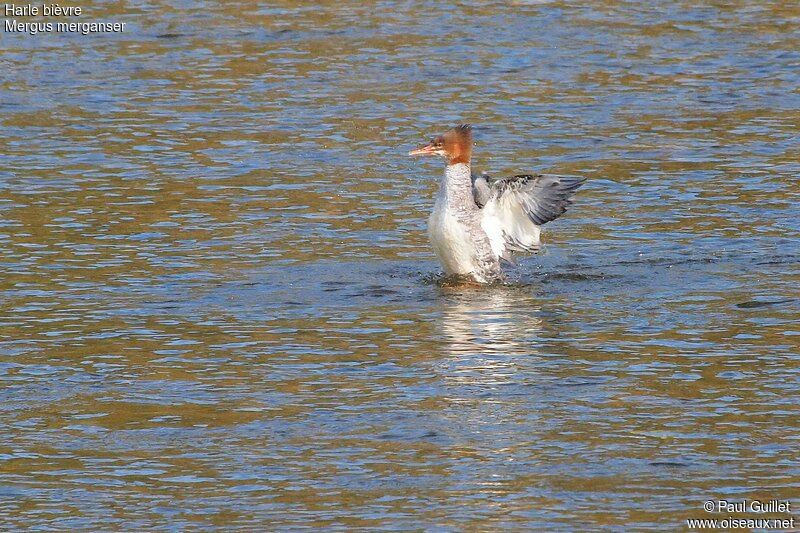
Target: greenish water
{"points": [[218, 306]]}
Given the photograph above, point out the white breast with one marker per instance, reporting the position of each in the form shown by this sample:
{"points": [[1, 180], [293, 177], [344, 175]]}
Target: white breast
{"points": [[454, 228], [450, 241]]}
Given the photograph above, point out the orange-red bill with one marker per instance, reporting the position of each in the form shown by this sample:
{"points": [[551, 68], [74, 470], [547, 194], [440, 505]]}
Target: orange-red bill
{"points": [[428, 149]]}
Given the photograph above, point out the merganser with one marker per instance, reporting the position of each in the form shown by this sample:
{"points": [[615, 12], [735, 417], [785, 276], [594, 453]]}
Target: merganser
{"points": [[477, 221]]}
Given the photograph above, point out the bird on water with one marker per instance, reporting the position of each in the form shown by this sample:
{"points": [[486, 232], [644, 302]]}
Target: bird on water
{"points": [[477, 221]]}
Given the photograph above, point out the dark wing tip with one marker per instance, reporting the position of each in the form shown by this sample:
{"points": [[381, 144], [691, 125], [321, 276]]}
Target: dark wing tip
{"points": [[568, 183]]}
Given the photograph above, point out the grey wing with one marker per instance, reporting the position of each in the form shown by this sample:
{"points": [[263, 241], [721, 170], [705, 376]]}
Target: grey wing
{"points": [[481, 190], [543, 197], [519, 205]]}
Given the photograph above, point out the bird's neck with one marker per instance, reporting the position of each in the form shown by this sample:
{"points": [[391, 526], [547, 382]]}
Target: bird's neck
{"points": [[456, 185]]}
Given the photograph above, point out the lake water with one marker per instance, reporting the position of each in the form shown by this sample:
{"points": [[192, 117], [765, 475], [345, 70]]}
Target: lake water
{"points": [[219, 308]]}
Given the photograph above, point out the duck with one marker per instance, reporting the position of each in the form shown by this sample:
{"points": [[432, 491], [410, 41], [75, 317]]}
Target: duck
{"points": [[479, 222]]}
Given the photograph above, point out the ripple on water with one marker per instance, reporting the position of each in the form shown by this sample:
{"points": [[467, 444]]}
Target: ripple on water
{"points": [[219, 307]]}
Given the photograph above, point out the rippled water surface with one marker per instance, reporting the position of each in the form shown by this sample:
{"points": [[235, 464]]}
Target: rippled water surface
{"points": [[218, 306]]}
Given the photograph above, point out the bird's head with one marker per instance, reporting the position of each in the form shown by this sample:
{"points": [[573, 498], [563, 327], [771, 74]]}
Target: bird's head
{"points": [[455, 145]]}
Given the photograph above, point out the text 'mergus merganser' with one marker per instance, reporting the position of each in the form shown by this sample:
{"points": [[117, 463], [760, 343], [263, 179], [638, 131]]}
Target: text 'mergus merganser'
{"points": [[478, 220]]}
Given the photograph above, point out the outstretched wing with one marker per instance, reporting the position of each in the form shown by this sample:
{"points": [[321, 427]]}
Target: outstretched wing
{"points": [[518, 205], [542, 197]]}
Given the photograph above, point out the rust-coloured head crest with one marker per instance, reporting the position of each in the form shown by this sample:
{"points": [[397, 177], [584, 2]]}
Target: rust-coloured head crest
{"points": [[455, 145]]}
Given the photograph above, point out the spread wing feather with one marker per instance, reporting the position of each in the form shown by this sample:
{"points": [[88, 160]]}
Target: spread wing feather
{"points": [[515, 207]]}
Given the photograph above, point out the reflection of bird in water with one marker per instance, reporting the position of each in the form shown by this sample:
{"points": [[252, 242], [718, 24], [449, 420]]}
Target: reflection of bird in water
{"points": [[501, 321], [478, 221]]}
